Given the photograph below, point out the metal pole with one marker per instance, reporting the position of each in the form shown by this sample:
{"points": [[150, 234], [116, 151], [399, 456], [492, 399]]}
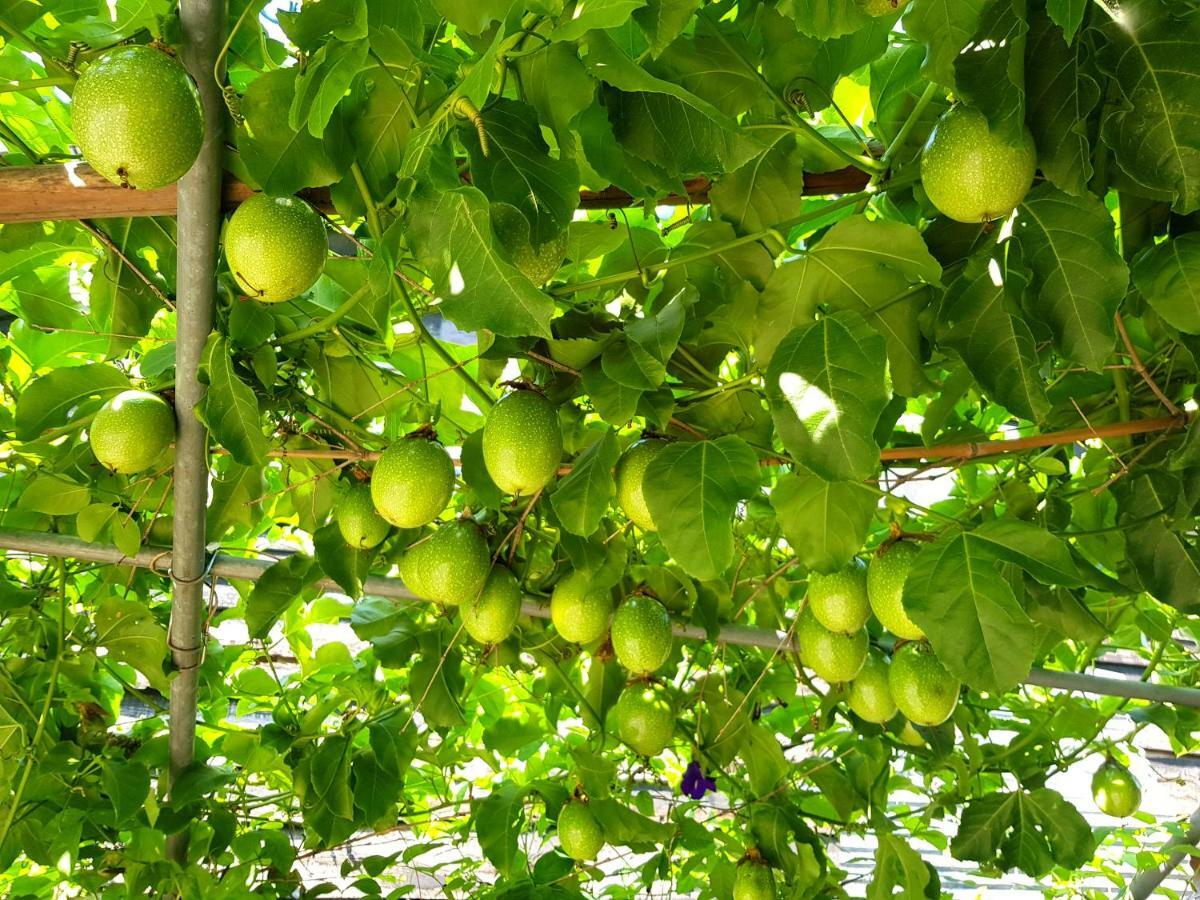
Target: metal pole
{"points": [[203, 24], [1146, 881], [241, 568]]}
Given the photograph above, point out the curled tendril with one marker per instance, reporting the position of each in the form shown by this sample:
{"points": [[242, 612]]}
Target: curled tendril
{"points": [[233, 103], [465, 109], [73, 51]]}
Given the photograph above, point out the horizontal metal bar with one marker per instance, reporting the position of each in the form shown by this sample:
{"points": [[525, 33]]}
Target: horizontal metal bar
{"points": [[233, 567]]}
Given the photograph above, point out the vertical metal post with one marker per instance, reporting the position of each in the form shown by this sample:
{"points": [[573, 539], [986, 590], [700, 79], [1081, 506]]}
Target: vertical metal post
{"points": [[203, 23]]}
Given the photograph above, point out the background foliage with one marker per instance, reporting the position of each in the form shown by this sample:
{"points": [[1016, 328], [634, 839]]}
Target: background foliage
{"points": [[1081, 310]]}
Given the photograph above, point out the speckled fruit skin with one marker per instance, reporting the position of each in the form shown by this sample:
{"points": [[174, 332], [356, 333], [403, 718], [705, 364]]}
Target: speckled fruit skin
{"points": [[131, 431], [137, 117], [579, 834], [580, 610], [490, 617], [886, 575], [645, 717], [881, 7], [641, 634], [753, 881], [833, 657], [1115, 790], [522, 442], [360, 525], [275, 247], [870, 692], [631, 470], [412, 482], [969, 173], [537, 262], [451, 567], [839, 601], [921, 686]]}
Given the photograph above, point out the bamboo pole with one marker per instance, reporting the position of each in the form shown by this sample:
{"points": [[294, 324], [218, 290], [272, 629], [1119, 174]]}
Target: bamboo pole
{"points": [[199, 193], [1146, 881], [248, 569]]}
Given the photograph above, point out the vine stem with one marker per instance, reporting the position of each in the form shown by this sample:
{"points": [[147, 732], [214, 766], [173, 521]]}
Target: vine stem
{"points": [[45, 713], [910, 123], [33, 84], [326, 322]]}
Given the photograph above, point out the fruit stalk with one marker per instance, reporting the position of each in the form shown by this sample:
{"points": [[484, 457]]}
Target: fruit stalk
{"points": [[202, 23]]}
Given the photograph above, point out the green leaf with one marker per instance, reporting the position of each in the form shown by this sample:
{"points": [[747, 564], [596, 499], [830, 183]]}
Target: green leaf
{"points": [[990, 72], [131, 634], [980, 319], [558, 86], [640, 360], [1152, 125], [871, 267], [345, 20], [1168, 566], [1063, 92], [436, 682], [763, 192], [582, 497], [944, 28], [322, 782], [897, 865], [957, 595], [452, 235], [518, 169], [53, 399], [276, 590], [1028, 830], [1168, 276], [896, 84], [54, 495], [827, 385], [499, 818], [127, 784], [591, 14], [1067, 15], [825, 522], [1079, 279], [473, 15], [615, 403], [379, 127], [323, 83], [692, 489], [236, 499], [663, 21], [348, 566], [280, 158], [827, 18], [766, 765], [229, 408]]}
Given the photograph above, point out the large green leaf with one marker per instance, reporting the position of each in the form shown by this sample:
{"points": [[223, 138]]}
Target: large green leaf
{"points": [[1154, 125], [594, 14], [322, 781], [52, 399], [980, 315], [452, 235], [825, 522], [229, 408], [692, 489], [276, 590], [897, 865], [968, 610], [827, 385], [1165, 561], [518, 169], [582, 497], [944, 27], [762, 193], [130, 633], [1063, 92], [990, 72], [874, 267], [1168, 276], [1079, 279], [827, 18], [1028, 830], [499, 819]]}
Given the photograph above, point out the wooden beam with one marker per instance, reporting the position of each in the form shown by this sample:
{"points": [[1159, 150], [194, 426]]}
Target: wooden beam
{"points": [[74, 190]]}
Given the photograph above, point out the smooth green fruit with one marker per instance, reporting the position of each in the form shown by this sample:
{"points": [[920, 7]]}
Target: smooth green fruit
{"points": [[579, 834], [360, 525], [723, 721], [910, 736], [275, 247], [870, 693], [969, 173], [921, 686], [839, 601], [631, 470], [1116, 791], [131, 431], [832, 656], [645, 717], [881, 7], [580, 610], [522, 442], [162, 531], [753, 881], [412, 482], [137, 117], [641, 634], [491, 616], [886, 575], [450, 567]]}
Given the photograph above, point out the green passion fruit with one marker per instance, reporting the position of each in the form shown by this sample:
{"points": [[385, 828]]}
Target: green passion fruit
{"points": [[579, 610], [412, 482], [522, 442], [924, 690], [450, 567], [630, 475], [645, 717], [839, 601], [361, 526], [886, 575], [131, 431], [579, 832], [641, 634], [871, 693], [1115, 790], [491, 616], [832, 656], [275, 247]]}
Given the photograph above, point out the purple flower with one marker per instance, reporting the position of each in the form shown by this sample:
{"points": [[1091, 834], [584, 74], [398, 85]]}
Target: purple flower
{"points": [[695, 783]]}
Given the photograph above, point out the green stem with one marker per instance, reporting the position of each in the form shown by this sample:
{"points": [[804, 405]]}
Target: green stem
{"points": [[373, 223], [931, 91], [34, 84], [45, 714], [11, 137], [719, 389], [328, 321], [48, 60]]}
